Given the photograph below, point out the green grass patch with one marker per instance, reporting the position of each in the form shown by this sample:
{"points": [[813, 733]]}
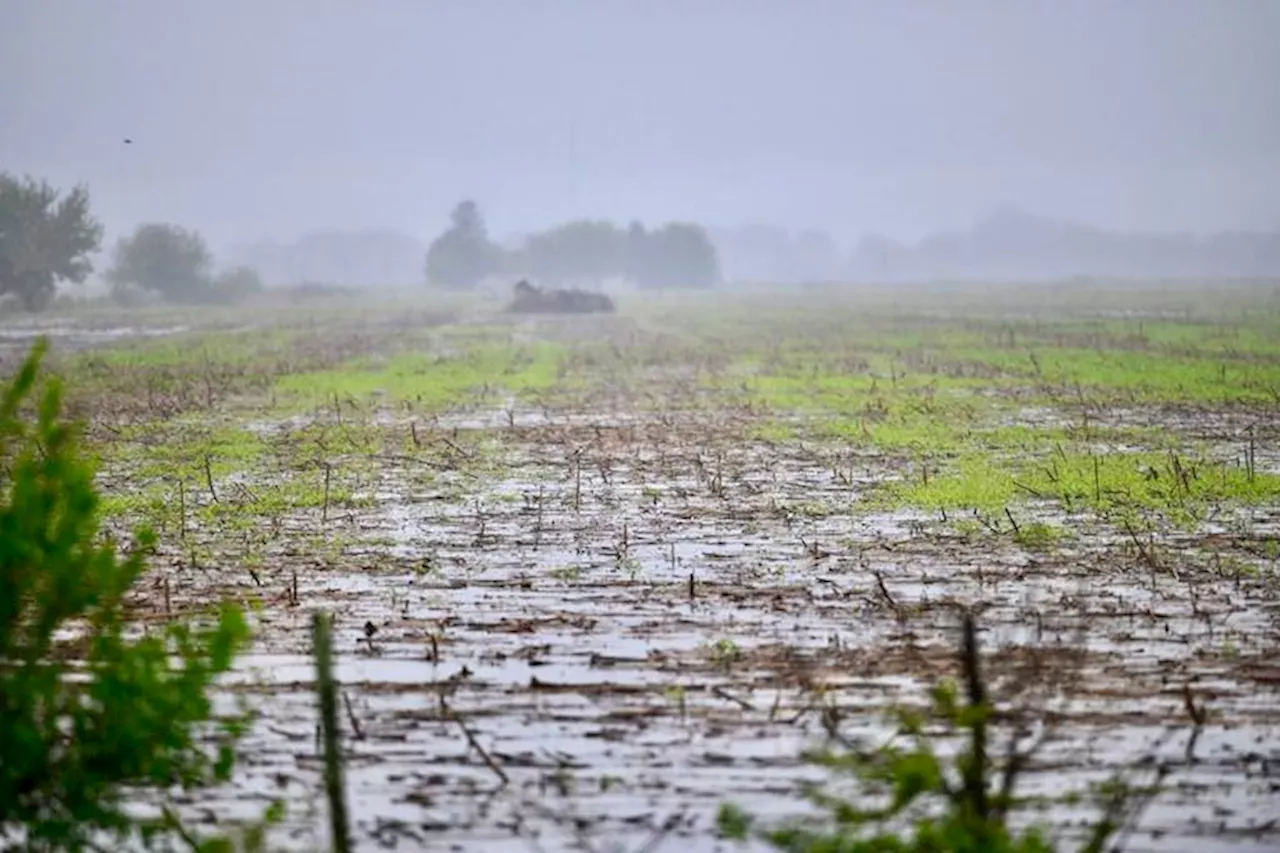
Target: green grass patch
{"points": [[182, 449], [430, 381], [1180, 488], [1137, 376]]}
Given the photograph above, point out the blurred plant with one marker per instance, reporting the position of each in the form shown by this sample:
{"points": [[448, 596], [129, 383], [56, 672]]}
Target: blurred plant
{"points": [[87, 712], [968, 813]]}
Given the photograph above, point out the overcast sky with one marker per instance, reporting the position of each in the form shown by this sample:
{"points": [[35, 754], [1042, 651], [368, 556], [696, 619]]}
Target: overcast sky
{"points": [[272, 117]]}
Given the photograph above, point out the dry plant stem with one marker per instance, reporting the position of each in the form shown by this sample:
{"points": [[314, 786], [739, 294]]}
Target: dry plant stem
{"points": [[577, 481], [1148, 555], [351, 716], [537, 529], [884, 593], [475, 744], [864, 470], [208, 478], [660, 833], [1009, 515], [1250, 456], [182, 511], [1199, 715], [324, 512]]}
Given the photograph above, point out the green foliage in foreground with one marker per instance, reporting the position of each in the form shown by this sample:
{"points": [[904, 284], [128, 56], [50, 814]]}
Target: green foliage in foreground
{"points": [[84, 710], [928, 809]]}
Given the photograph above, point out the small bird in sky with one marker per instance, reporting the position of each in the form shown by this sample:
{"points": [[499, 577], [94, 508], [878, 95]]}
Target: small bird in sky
{"points": [[128, 141]]}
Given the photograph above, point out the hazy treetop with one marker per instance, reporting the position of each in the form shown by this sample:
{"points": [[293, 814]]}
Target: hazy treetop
{"points": [[257, 118]]}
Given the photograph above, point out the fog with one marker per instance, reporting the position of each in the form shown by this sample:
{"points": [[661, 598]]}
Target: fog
{"points": [[831, 119]]}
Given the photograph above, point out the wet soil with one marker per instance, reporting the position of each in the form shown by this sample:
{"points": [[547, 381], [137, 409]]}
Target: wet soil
{"points": [[634, 613]]}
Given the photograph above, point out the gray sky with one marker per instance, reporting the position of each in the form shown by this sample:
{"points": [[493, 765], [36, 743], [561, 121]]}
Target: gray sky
{"points": [[271, 117]]}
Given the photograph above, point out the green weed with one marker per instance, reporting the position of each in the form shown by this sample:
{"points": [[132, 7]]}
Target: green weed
{"points": [[75, 736], [430, 382], [1181, 489]]}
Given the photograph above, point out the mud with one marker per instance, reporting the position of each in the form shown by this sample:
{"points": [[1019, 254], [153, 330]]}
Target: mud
{"points": [[632, 613], [16, 341], [630, 647]]}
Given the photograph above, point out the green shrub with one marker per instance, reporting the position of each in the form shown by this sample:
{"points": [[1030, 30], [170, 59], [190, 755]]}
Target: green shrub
{"points": [[86, 711]]}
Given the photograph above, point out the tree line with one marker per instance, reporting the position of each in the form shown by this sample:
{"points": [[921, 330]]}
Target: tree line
{"points": [[1010, 244], [674, 255], [48, 237]]}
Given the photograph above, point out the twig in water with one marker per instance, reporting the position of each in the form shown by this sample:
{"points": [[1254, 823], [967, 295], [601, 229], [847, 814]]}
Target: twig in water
{"points": [[884, 592], [729, 697], [1009, 515], [475, 744], [351, 716], [1148, 555], [455, 448], [661, 832], [1198, 714]]}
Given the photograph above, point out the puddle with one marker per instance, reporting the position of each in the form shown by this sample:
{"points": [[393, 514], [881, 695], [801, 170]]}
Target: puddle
{"points": [[632, 614]]}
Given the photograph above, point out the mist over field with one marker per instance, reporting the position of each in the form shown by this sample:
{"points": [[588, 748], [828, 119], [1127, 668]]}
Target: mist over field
{"points": [[595, 424], [828, 139]]}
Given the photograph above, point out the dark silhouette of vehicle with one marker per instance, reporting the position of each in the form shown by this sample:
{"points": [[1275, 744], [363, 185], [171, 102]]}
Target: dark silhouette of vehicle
{"points": [[534, 300]]}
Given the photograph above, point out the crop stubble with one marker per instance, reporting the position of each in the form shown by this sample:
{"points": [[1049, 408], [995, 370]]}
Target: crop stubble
{"points": [[590, 613]]}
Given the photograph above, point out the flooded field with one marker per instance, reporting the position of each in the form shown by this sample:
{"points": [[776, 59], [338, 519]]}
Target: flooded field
{"points": [[594, 578]]}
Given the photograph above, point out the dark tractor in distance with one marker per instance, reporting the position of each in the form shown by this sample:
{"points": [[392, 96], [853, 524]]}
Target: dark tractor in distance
{"points": [[534, 300]]}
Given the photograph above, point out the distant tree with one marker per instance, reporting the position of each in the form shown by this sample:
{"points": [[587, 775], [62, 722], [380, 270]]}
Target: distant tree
{"points": [[462, 255], [43, 239], [677, 255], [758, 252], [237, 283], [635, 258], [875, 257], [817, 257], [1012, 244], [582, 249], [169, 260]]}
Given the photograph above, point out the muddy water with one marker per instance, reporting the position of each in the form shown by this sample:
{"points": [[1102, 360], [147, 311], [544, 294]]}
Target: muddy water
{"points": [[631, 614], [16, 341], [553, 614]]}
